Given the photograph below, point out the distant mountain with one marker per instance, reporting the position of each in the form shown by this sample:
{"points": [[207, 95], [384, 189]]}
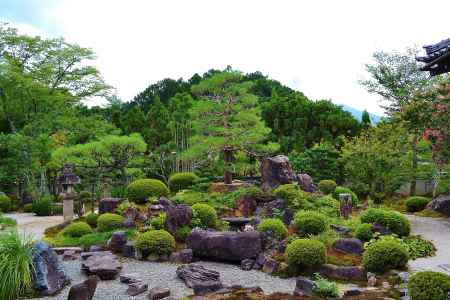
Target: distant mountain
{"points": [[358, 114]]}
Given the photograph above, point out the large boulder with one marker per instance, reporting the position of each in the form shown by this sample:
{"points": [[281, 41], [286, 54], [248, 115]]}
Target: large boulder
{"points": [[304, 287], [441, 204], [306, 183], [84, 290], [177, 216], [225, 246], [50, 276], [276, 171], [200, 279], [277, 206], [104, 265], [108, 205], [246, 205], [347, 273], [117, 241], [349, 246]]}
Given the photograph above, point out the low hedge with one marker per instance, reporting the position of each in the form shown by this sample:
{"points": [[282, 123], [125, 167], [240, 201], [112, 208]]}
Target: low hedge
{"points": [[416, 203], [305, 253], [77, 229], [181, 181], [309, 222], [156, 242], [327, 186], [140, 190], [276, 226], [109, 222], [429, 285], [385, 255]]}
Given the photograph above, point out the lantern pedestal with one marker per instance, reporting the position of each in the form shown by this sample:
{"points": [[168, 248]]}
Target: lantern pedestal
{"points": [[68, 208]]}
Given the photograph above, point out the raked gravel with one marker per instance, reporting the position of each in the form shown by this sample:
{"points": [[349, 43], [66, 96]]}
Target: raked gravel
{"points": [[163, 274]]}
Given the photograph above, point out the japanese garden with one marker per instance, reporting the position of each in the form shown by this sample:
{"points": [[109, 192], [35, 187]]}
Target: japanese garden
{"points": [[223, 185]]}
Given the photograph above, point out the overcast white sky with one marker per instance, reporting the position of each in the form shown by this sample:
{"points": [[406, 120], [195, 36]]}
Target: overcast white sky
{"points": [[318, 47]]}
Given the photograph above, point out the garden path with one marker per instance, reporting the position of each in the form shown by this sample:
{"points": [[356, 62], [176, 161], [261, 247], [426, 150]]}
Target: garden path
{"points": [[33, 225], [436, 230]]}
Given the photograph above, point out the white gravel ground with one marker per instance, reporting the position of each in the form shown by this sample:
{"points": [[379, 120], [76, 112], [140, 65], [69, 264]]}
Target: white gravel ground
{"points": [[163, 274]]}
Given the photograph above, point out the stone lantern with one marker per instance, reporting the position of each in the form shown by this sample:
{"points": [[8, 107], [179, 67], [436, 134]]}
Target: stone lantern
{"points": [[346, 205], [67, 181]]}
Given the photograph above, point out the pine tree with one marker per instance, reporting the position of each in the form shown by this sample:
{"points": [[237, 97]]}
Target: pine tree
{"points": [[365, 119], [157, 131]]}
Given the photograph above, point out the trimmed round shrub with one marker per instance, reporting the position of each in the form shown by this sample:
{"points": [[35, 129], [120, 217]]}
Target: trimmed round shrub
{"points": [[205, 215], [109, 222], [276, 226], [305, 253], [77, 229], [327, 186], [182, 233], [5, 203], [287, 191], [91, 219], [182, 181], [43, 206], [416, 203], [28, 208], [140, 190], [156, 242], [364, 232], [309, 222], [394, 221], [344, 190], [385, 255], [429, 285]]}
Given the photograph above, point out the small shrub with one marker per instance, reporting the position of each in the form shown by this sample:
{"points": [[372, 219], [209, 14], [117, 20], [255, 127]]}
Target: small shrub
{"points": [[43, 206], [309, 222], [327, 186], [429, 285], [109, 222], [7, 221], [5, 203], [140, 190], [364, 232], [361, 189], [28, 208], [287, 191], [95, 239], [385, 255], [123, 206], [158, 222], [91, 219], [418, 247], [275, 226], [77, 229], [205, 216], [326, 205], [157, 242], [394, 221], [190, 198], [182, 233], [181, 181], [416, 203], [325, 288], [305, 253], [343, 190]]}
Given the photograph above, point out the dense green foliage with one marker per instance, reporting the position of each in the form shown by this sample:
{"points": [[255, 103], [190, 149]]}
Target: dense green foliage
{"points": [[77, 229], [275, 226], [325, 288], [43, 206], [384, 255], [204, 215], [429, 285], [364, 232], [140, 190], [416, 203], [156, 242], [181, 181], [108, 222], [91, 219], [327, 186], [5, 203], [304, 253], [309, 222], [15, 265], [158, 222], [394, 221], [343, 190]]}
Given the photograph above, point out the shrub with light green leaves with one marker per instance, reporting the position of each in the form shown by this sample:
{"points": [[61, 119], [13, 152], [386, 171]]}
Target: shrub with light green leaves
{"points": [[158, 222], [385, 255], [305, 253], [327, 186], [276, 226], [5, 203], [429, 285], [181, 181], [140, 190], [77, 229], [309, 222], [182, 233], [394, 221], [344, 190], [156, 242], [416, 203], [109, 222], [43, 206], [364, 232], [205, 215], [91, 219]]}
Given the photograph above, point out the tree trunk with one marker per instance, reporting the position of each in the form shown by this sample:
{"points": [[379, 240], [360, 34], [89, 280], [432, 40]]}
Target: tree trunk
{"points": [[228, 157], [412, 189]]}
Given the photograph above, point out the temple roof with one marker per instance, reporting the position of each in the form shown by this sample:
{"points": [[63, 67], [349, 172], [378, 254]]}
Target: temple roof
{"points": [[437, 60]]}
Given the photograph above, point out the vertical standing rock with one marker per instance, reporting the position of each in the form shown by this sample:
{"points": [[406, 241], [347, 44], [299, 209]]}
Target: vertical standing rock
{"points": [[276, 171]]}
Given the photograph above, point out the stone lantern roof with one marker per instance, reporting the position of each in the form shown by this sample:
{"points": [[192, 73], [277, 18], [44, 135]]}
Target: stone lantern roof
{"points": [[68, 177]]}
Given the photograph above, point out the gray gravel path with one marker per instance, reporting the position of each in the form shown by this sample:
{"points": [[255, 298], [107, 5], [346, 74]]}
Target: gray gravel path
{"points": [[436, 230], [33, 225], [163, 274]]}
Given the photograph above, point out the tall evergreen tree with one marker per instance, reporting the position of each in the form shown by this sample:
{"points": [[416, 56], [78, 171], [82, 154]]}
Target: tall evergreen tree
{"points": [[365, 119]]}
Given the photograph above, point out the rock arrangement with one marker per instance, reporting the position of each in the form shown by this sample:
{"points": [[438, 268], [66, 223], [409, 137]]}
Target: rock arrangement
{"points": [[84, 290], [200, 279], [104, 264], [441, 204], [276, 171]]}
